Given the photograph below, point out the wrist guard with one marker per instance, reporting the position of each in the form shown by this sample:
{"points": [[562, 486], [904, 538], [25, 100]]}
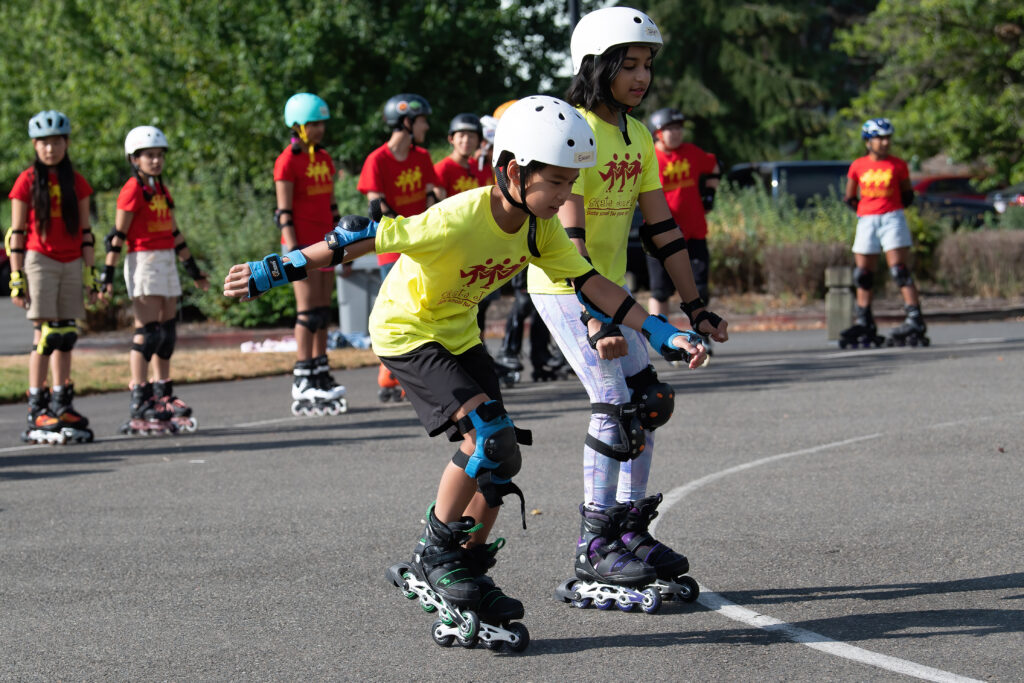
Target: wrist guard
{"points": [[91, 278], [18, 283], [591, 307], [852, 202], [907, 197], [660, 333], [350, 229], [607, 330], [107, 276], [708, 199], [191, 268], [689, 307], [273, 272]]}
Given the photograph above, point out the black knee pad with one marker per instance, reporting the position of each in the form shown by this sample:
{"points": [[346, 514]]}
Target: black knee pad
{"points": [[654, 400], [168, 338], [151, 334], [901, 275], [864, 278], [630, 441], [314, 319], [60, 335]]}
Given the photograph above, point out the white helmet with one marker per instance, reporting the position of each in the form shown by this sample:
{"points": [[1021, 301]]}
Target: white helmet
{"points": [[605, 28], [545, 129], [144, 137]]}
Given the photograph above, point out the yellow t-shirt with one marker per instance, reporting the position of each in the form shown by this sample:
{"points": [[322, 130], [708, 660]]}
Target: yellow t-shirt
{"points": [[454, 255], [609, 191]]}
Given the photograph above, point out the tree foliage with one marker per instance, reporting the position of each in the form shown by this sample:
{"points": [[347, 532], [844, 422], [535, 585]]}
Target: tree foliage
{"points": [[950, 73], [757, 79], [215, 74]]}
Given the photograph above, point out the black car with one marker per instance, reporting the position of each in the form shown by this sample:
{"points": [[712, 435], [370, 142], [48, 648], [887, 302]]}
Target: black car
{"points": [[803, 180]]}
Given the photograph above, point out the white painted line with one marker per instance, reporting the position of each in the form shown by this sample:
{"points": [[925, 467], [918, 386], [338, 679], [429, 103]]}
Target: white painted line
{"points": [[715, 602]]}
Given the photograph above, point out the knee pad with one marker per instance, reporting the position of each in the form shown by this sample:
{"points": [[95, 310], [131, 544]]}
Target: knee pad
{"points": [[901, 275], [60, 335], [864, 278], [654, 400], [168, 337], [629, 441], [497, 443], [314, 319], [151, 334]]}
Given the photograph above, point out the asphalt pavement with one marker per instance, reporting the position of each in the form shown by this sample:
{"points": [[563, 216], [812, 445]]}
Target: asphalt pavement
{"points": [[849, 515]]}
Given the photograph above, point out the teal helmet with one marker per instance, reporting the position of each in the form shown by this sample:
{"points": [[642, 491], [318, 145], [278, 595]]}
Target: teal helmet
{"points": [[303, 108]]}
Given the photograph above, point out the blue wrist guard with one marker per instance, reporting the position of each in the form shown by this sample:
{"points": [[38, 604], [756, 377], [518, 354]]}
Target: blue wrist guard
{"points": [[273, 272], [349, 229], [660, 334]]}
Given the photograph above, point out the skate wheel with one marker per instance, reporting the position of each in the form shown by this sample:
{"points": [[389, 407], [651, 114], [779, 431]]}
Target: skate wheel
{"points": [[925, 341], [580, 602], [690, 589], [296, 409], [429, 608], [625, 605], [440, 637], [468, 629], [603, 603], [652, 601], [522, 637]]}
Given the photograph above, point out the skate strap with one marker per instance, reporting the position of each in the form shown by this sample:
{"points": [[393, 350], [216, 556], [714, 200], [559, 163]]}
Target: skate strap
{"points": [[494, 492]]}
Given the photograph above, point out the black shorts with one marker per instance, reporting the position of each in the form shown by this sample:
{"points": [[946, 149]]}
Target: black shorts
{"points": [[661, 284], [437, 382]]}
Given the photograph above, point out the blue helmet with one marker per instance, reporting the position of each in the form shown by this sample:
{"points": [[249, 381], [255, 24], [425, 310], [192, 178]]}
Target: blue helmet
{"points": [[303, 108], [47, 123], [876, 128]]}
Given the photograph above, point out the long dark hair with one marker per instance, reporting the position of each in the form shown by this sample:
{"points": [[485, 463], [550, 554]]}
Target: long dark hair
{"points": [[592, 85], [68, 197]]}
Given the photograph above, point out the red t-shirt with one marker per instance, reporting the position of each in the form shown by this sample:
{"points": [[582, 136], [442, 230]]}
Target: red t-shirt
{"points": [[152, 225], [879, 183], [57, 244], [680, 169], [455, 178], [312, 194], [403, 183]]}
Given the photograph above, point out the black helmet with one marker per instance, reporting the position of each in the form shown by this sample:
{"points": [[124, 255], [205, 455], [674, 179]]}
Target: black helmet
{"points": [[406, 105], [665, 117], [466, 122]]}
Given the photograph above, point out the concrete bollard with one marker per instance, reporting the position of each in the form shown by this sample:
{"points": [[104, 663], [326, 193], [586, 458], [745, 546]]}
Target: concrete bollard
{"points": [[839, 300]]}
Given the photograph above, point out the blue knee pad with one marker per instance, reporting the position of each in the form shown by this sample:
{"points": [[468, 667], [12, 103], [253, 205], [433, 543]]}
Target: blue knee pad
{"points": [[497, 447]]}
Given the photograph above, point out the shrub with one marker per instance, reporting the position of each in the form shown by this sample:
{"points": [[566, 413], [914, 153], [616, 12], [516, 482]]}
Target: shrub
{"points": [[799, 269], [985, 263]]}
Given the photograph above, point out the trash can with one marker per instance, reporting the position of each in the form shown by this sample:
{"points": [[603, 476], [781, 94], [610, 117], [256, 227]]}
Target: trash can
{"points": [[356, 294]]}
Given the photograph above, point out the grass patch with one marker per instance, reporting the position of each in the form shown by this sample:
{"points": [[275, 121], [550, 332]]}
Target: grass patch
{"points": [[96, 372]]}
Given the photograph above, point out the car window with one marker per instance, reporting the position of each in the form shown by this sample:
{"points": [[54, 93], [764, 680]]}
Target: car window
{"points": [[807, 182]]}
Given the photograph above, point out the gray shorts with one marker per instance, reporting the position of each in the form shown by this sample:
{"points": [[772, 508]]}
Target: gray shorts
{"points": [[882, 232]]}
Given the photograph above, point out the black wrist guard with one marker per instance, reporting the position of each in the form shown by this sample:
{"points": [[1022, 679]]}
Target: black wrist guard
{"points": [[852, 202], [907, 197], [607, 330], [701, 317], [107, 276], [191, 268]]}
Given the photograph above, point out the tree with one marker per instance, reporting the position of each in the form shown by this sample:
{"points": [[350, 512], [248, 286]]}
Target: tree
{"points": [[757, 79], [950, 74]]}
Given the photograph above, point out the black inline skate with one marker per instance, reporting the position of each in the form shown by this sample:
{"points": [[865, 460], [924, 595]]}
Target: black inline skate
{"points": [[43, 426], [148, 417], [307, 397], [72, 424], [335, 403], [181, 412], [509, 369], [911, 332], [495, 609], [440, 576], [607, 573], [669, 565], [553, 368], [863, 333]]}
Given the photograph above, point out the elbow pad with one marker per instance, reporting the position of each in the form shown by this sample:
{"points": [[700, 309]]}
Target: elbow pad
{"points": [[592, 308], [349, 230], [647, 233]]}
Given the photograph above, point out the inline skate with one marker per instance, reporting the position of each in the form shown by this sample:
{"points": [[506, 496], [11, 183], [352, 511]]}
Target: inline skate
{"points": [[336, 403], [911, 332], [863, 333], [390, 389], [509, 369], [181, 412], [43, 426], [669, 566], [72, 424], [553, 368], [607, 573], [148, 417], [307, 398], [495, 609], [440, 576]]}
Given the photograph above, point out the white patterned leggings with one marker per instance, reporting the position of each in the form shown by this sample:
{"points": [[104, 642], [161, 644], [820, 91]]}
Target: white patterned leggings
{"points": [[606, 481]]}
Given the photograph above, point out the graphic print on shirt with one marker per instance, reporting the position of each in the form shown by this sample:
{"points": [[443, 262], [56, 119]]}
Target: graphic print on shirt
{"points": [[622, 171], [464, 183], [480, 280], [161, 215], [677, 175], [320, 175], [55, 203], [876, 182]]}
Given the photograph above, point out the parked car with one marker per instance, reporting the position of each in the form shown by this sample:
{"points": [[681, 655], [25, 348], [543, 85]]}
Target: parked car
{"points": [[956, 186], [804, 180], [1007, 197]]}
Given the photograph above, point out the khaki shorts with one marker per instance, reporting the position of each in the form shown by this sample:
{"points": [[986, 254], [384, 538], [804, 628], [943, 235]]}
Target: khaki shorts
{"points": [[152, 273], [55, 289]]}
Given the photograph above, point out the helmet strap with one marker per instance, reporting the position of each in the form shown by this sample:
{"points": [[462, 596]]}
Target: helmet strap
{"points": [[305, 140]]}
